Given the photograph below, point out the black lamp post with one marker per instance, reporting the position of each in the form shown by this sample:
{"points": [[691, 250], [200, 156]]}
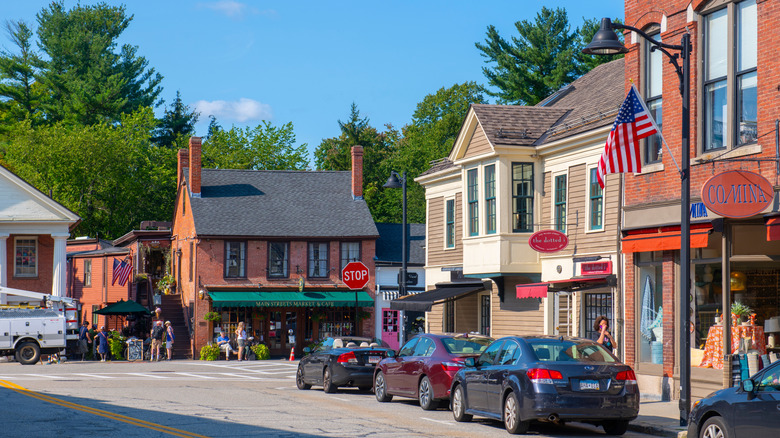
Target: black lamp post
{"points": [[395, 183], [606, 42]]}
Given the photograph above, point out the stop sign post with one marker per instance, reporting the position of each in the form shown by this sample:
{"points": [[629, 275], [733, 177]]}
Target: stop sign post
{"points": [[355, 275]]}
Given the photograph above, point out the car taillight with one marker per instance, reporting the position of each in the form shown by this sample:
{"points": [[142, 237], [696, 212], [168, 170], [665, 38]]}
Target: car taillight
{"points": [[628, 376], [541, 375], [451, 366], [348, 357]]}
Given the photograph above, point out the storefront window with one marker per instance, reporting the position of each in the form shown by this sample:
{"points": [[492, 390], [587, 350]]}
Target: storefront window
{"points": [[707, 300], [337, 322], [650, 307]]}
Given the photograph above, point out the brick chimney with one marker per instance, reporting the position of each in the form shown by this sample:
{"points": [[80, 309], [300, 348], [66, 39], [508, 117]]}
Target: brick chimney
{"points": [[195, 166], [357, 172], [184, 162]]}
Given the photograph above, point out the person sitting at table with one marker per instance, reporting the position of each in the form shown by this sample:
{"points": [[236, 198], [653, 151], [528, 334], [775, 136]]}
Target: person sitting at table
{"points": [[224, 344]]}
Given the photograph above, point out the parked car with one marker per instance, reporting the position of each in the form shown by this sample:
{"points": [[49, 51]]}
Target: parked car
{"points": [[342, 361], [424, 367], [748, 410], [522, 379]]}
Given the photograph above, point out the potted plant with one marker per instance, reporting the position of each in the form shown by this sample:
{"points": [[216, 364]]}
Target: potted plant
{"points": [[740, 310], [212, 316]]}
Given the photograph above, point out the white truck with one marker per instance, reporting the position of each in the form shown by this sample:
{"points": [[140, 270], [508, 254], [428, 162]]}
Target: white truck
{"points": [[28, 330]]}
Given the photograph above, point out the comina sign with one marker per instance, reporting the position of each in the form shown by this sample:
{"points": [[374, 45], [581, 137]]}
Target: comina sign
{"points": [[737, 194]]}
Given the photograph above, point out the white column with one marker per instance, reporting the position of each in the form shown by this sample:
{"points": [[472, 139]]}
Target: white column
{"points": [[3, 266], [59, 265]]}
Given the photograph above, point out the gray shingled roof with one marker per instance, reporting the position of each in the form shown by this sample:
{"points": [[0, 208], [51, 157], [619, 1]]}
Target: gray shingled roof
{"points": [[388, 246], [280, 203], [515, 125]]}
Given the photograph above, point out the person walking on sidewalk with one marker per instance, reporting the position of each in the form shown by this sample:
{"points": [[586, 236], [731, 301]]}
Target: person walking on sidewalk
{"points": [[169, 339], [84, 339], [156, 335], [241, 340], [102, 343]]}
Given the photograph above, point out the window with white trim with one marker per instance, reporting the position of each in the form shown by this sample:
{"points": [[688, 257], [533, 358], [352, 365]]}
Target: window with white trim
{"points": [[235, 259], [473, 193], [522, 197], [560, 203], [653, 97], [595, 202], [26, 259], [490, 199], [318, 259], [450, 224], [87, 272]]}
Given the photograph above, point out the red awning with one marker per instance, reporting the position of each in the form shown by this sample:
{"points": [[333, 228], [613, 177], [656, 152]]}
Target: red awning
{"points": [[773, 229], [664, 238], [532, 290]]}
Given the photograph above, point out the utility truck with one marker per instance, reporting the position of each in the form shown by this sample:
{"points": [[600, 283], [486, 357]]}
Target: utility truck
{"points": [[43, 324]]}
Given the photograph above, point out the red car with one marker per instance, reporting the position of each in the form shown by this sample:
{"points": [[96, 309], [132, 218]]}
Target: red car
{"points": [[424, 367]]}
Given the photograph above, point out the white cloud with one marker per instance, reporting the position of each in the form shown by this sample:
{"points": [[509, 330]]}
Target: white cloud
{"points": [[234, 9], [242, 110]]}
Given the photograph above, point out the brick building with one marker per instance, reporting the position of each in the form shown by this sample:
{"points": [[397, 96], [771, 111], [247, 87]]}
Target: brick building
{"points": [[734, 110], [267, 248]]}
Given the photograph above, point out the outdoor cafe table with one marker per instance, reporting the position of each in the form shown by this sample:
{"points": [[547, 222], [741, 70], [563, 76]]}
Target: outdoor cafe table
{"points": [[713, 349]]}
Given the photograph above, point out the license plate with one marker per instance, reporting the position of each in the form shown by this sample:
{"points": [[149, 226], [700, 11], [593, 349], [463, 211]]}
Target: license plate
{"points": [[374, 359], [589, 384]]}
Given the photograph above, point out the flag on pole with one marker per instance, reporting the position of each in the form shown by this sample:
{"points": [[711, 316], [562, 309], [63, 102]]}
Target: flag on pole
{"points": [[122, 271], [621, 153]]}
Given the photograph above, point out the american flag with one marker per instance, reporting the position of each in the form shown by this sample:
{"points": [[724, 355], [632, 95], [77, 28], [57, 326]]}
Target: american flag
{"points": [[621, 153], [122, 271]]}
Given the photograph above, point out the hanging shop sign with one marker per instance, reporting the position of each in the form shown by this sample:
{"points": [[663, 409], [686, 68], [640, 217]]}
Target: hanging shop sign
{"points": [[737, 193], [548, 241]]}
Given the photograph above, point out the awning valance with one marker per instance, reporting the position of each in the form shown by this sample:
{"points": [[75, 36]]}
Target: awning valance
{"points": [[532, 290], [664, 238], [423, 301], [291, 299], [540, 290]]}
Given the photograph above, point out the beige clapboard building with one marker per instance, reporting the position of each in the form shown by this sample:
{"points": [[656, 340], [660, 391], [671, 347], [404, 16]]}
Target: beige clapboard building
{"points": [[514, 171]]}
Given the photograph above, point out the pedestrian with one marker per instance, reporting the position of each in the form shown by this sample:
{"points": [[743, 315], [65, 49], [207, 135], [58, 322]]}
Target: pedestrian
{"points": [[156, 335], [84, 339], [93, 332], [602, 335], [224, 344], [102, 343], [157, 316], [241, 340], [169, 339]]}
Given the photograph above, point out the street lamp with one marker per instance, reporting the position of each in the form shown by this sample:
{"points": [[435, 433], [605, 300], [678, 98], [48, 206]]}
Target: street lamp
{"points": [[395, 183], [606, 42]]}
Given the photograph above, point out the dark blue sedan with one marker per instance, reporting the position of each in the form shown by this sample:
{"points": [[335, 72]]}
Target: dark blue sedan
{"points": [[751, 409], [521, 379]]}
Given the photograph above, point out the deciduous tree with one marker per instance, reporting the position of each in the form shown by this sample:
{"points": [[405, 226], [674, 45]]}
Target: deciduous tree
{"points": [[264, 147]]}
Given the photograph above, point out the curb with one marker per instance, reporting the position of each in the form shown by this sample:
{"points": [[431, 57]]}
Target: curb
{"points": [[652, 429]]}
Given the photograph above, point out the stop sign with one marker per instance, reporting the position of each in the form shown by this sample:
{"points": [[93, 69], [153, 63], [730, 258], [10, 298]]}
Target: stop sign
{"points": [[355, 275]]}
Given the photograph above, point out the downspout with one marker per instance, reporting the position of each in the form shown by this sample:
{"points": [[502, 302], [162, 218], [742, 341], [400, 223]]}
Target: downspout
{"points": [[621, 289]]}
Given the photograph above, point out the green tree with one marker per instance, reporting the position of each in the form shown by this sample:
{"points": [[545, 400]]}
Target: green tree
{"points": [[89, 79], [19, 95], [264, 147], [107, 173], [535, 64], [176, 125]]}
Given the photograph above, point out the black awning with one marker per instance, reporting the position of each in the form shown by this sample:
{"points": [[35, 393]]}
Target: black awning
{"points": [[423, 301]]}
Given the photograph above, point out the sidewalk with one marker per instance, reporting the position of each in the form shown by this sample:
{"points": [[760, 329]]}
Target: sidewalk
{"points": [[659, 418]]}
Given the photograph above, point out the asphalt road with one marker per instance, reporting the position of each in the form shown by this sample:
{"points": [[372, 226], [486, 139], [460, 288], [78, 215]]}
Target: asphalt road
{"points": [[219, 399]]}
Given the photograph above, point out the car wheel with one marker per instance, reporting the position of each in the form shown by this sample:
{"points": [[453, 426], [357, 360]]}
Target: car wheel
{"points": [[616, 427], [28, 353], [425, 395], [512, 421], [380, 388], [299, 382], [327, 382], [459, 405], [714, 427]]}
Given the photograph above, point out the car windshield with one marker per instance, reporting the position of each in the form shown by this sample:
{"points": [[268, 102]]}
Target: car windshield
{"points": [[570, 351], [465, 345]]}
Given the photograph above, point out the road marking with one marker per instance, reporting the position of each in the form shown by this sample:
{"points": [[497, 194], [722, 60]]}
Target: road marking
{"points": [[43, 375], [99, 412], [449, 423], [242, 376], [97, 376], [195, 375], [342, 399], [147, 375]]}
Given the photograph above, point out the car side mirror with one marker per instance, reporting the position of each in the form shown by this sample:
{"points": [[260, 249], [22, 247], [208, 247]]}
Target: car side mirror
{"points": [[390, 353], [748, 386], [470, 362], [306, 350]]}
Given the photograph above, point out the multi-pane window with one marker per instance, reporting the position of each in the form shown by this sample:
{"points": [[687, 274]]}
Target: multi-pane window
{"points": [[87, 272], [560, 203], [26, 260], [653, 92], [522, 197], [490, 199], [450, 225], [318, 259], [235, 259], [350, 252], [596, 202], [278, 259], [473, 190], [730, 117]]}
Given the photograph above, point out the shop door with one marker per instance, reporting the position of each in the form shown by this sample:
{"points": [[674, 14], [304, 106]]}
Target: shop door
{"points": [[562, 314], [290, 327], [390, 328]]}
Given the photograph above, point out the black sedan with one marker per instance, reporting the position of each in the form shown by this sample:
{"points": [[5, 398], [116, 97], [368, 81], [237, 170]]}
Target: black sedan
{"points": [[521, 379], [344, 361], [751, 409]]}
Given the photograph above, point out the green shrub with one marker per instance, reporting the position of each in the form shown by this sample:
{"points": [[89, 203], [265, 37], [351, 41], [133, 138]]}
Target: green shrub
{"points": [[116, 345], [261, 351], [209, 352]]}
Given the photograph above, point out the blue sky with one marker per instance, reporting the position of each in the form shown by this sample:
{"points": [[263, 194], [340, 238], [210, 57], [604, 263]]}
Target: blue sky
{"points": [[305, 62]]}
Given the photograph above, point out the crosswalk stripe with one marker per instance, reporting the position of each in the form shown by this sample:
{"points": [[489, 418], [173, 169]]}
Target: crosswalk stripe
{"points": [[200, 376], [147, 375], [97, 376]]}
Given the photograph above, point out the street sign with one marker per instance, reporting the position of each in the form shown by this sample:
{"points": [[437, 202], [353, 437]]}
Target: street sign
{"points": [[355, 275], [411, 278]]}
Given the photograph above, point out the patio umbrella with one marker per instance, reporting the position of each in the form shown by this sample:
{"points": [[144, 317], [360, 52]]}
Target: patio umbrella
{"points": [[122, 307]]}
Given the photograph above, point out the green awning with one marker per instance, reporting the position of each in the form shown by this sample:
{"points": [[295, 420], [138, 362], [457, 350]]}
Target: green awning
{"points": [[291, 299]]}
